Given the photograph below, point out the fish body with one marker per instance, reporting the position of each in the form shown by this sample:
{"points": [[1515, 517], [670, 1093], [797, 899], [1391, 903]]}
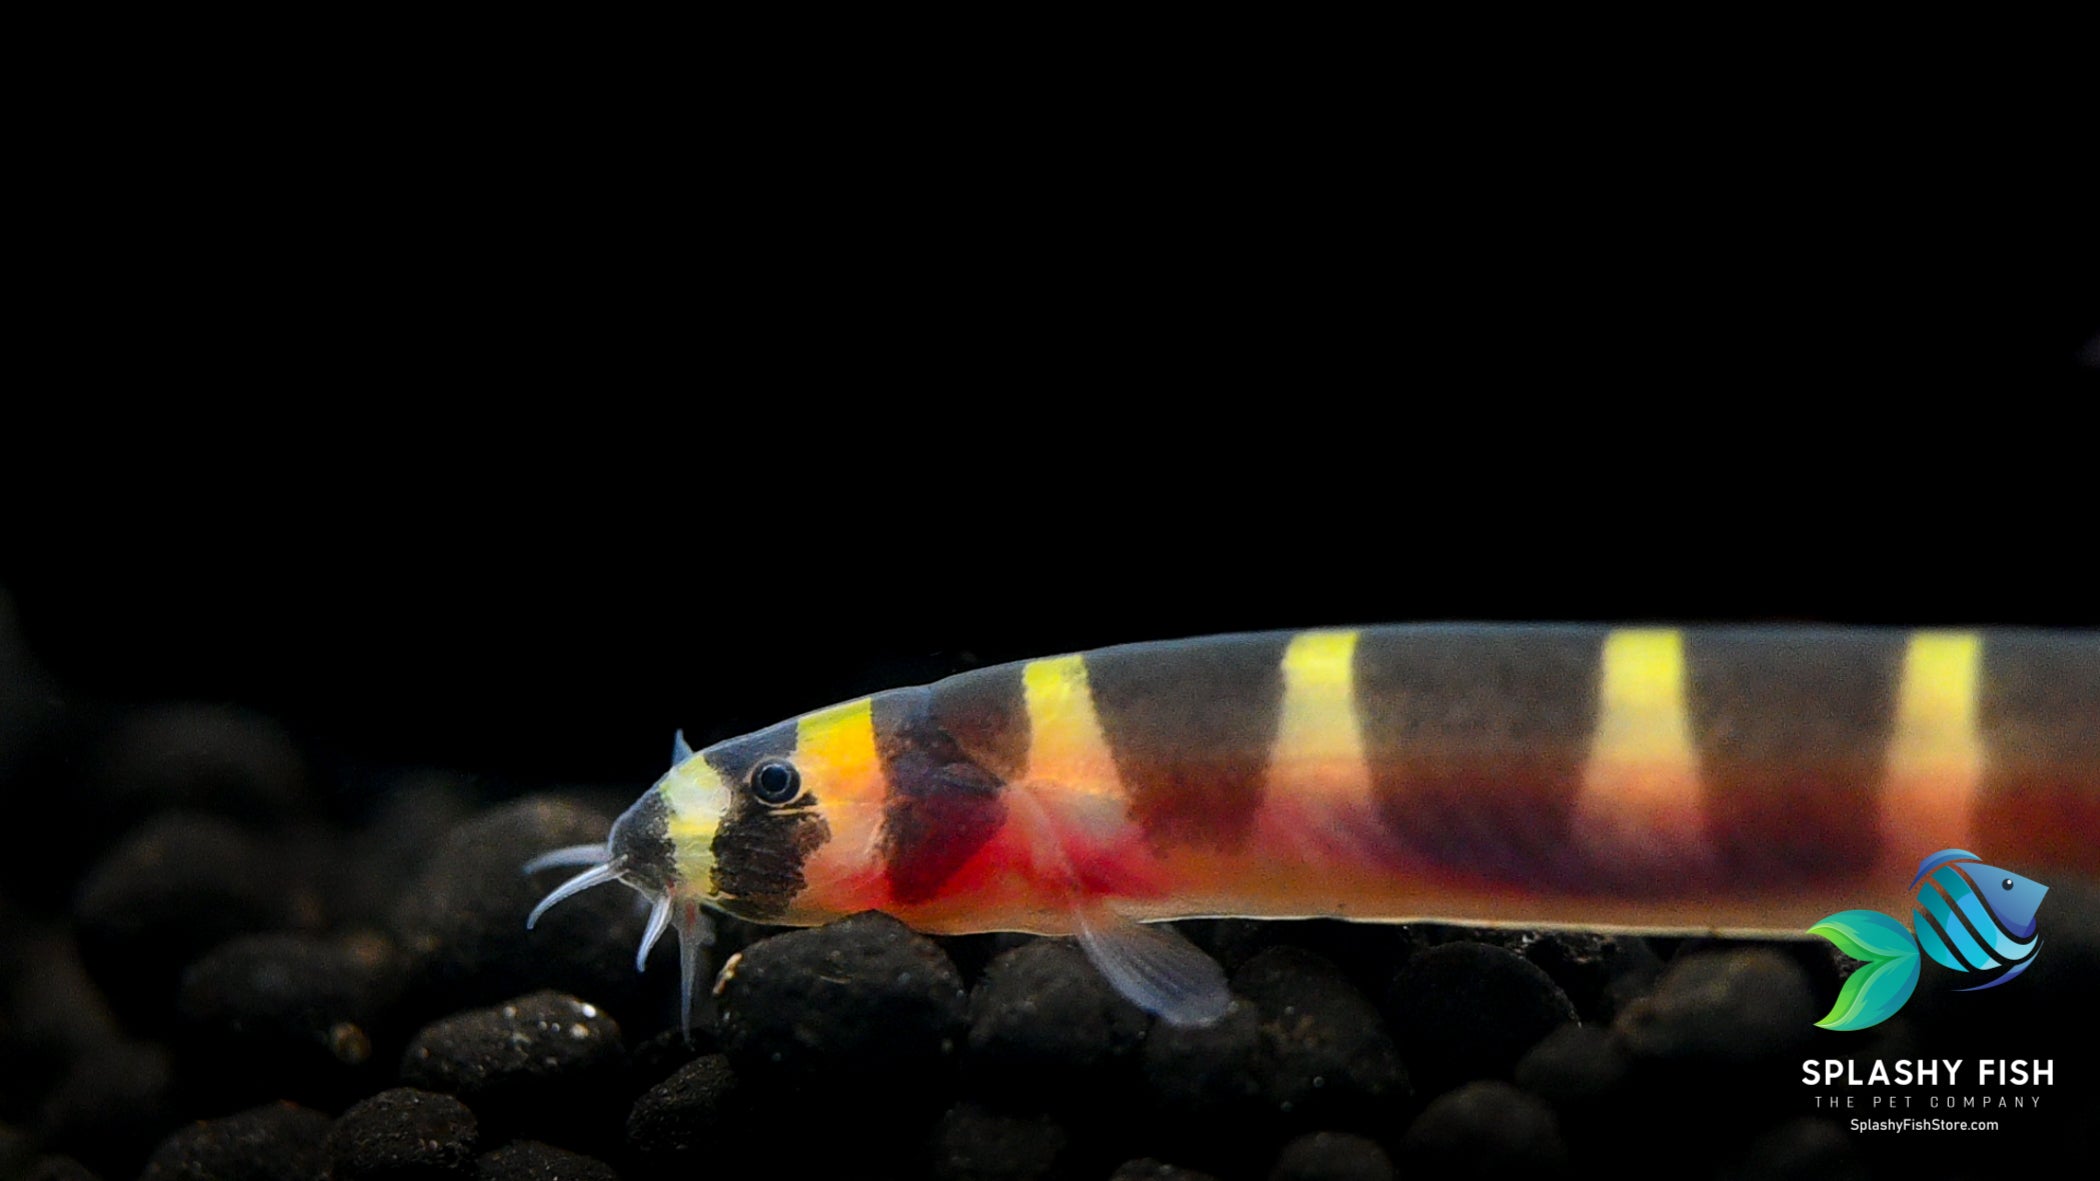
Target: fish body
{"points": [[1725, 779]]}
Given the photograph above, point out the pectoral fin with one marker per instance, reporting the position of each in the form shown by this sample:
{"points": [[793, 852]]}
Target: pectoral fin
{"points": [[1155, 968], [696, 933]]}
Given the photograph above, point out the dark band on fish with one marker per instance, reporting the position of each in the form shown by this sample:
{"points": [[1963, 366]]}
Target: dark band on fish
{"points": [[940, 804], [1476, 743], [1792, 732], [986, 712], [1190, 727], [760, 851], [2038, 715], [759, 856], [641, 841]]}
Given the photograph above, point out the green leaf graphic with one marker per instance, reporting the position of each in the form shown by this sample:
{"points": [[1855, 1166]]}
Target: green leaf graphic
{"points": [[1873, 993]]}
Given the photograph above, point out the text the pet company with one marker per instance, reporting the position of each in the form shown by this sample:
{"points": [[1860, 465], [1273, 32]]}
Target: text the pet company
{"points": [[1946, 1082]]}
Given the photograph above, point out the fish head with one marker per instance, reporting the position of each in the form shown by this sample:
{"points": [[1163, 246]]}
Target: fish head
{"points": [[2012, 899], [736, 828], [777, 826]]}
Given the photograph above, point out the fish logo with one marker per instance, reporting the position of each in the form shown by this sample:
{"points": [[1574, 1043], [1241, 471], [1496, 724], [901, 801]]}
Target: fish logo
{"points": [[1971, 917]]}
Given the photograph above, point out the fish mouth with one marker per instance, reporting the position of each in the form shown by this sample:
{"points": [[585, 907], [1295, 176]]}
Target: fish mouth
{"points": [[638, 853], [662, 847], [604, 867], [640, 844]]}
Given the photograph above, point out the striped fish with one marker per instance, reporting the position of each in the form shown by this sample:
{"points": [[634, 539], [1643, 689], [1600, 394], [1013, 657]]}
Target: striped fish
{"points": [[1967, 913], [1650, 779]]}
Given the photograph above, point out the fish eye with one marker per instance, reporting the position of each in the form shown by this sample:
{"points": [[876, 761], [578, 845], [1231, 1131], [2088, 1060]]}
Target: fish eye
{"points": [[2007, 883], [775, 782]]}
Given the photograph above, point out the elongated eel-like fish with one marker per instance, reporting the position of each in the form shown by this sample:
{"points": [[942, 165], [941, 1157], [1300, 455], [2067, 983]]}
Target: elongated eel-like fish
{"points": [[1741, 780]]}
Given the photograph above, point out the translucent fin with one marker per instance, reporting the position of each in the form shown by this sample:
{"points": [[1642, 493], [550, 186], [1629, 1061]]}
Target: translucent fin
{"points": [[597, 854], [680, 749], [595, 876], [659, 918], [695, 931], [1155, 968]]}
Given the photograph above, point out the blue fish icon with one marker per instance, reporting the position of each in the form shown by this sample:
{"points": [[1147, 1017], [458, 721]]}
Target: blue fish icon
{"points": [[1970, 917]]}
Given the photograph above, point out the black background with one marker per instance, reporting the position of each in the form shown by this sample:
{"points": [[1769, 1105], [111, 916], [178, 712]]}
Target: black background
{"points": [[514, 585], [510, 418]]}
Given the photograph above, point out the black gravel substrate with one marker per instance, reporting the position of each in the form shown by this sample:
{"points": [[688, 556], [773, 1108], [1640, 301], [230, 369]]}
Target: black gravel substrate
{"points": [[220, 959]]}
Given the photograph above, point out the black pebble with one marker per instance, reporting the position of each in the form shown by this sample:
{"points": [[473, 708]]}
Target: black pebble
{"points": [[17, 1148], [1300, 1050], [111, 1107], [290, 1016], [462, 922], [1328, 1061], [177, 887], [59, 1168], [1576, 1068], [1207, 1075], [680, 1125], [1332, 1156], [1589, 1079], [275, 1142], [1365, 952], [51, 1014], [972, 954], [408, 818], [546, 1063], [860, 1019], [1721, 1009], [1046, 1031], [708, 1120], [1804, 1148], [1468, 1010], [1145, 1168], [1485, 1128], [657, 1058], [530, 1160], [1599, 973], [972, 1144], [862, 1002], [206, 758], [403, 1135]]}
